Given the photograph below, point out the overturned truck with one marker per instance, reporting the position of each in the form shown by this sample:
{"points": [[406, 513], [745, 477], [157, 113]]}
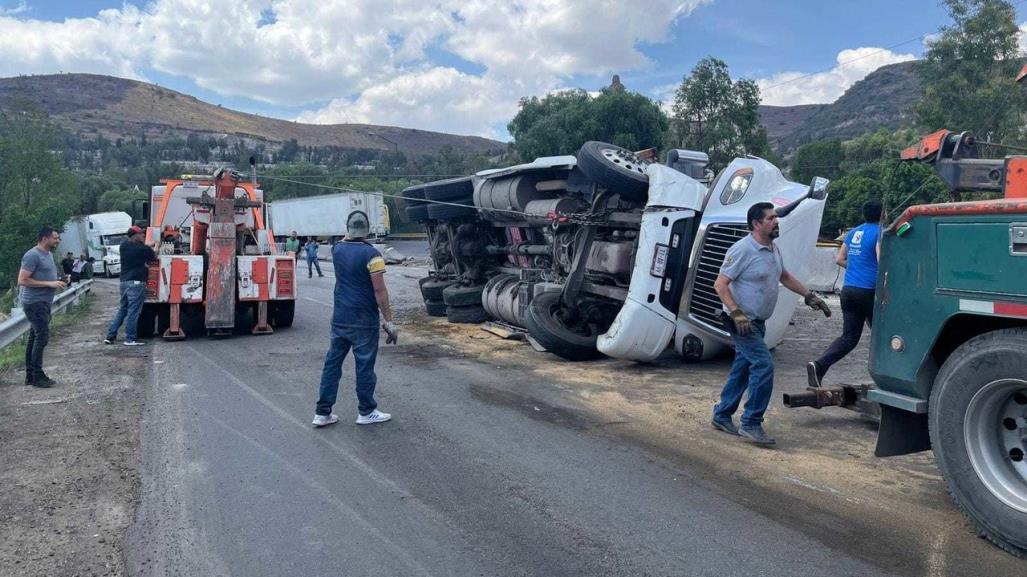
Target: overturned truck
{"points": [[607, 252]]}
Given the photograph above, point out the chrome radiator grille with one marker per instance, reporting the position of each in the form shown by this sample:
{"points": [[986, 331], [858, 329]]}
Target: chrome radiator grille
{"points": [[704, 304]]}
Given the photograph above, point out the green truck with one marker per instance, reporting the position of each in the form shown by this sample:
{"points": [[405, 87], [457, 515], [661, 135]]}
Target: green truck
{"points": [[948, 350]]}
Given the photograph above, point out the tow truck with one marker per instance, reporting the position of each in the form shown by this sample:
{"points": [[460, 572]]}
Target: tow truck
{"points": [[948, 350], [219, 270]]}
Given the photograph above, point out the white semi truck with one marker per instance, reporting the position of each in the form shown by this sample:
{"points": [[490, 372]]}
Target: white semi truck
{"points": [[607, 252], [99, 236]]}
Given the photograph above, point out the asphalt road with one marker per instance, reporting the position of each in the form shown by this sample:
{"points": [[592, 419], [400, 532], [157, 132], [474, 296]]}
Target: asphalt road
{"points": [[474, 475]]}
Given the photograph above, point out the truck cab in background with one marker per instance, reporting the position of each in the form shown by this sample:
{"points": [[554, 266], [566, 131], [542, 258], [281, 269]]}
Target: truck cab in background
{"points": [[99, 236]]}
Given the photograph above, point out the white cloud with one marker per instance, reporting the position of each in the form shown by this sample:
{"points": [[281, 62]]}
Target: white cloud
{"points": [[17, 9], [368, 58], [1022, 40], [443, 99], [790, 88]]}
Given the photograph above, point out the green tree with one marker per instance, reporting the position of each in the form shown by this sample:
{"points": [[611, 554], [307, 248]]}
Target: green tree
{"points": [[820, 158], [969, 71], [35, 189], [717, 115], [120, 200], [560, 123]]}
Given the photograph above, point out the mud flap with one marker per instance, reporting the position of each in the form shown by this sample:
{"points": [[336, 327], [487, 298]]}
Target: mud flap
{"points": [[901, 432]]}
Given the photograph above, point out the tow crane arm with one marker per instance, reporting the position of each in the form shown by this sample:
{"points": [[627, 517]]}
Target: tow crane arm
{"points": [[955, 159]]}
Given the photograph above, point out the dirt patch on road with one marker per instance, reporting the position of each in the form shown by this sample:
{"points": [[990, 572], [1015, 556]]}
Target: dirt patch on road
{"points": [[70, 453], [821, 479]]}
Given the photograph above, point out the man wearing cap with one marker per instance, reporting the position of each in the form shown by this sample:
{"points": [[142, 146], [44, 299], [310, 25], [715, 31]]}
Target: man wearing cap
{"points": [[361, 303], [135, 256]]}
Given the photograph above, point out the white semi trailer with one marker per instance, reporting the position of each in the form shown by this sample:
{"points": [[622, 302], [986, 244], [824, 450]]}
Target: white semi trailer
{"points": [[99, 236], [325, 216]]}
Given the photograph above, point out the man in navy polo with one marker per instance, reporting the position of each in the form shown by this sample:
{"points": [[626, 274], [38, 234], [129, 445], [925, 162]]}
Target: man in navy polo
{"points": [[858, 256], [361, 303]]}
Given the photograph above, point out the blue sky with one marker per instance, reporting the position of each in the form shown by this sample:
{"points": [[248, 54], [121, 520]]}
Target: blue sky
{"points": [[458, 65]]}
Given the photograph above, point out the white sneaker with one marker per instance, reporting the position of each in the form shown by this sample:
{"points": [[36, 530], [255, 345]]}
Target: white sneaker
{"points": [[134, 343], [108, 341], [322, 420], [373, 417]]}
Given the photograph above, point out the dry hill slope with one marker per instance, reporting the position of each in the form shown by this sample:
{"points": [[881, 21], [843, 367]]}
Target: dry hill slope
{"points": [[91, 105]]}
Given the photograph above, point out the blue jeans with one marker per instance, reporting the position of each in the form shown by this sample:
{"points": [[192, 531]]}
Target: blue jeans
{"points": [[311, 264], [364, 342], [753, 369], [133, 293]]}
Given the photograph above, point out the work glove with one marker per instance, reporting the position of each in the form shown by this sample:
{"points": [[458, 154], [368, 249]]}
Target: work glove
{"points": [[816, 303], [743, 326], [392, 332]]}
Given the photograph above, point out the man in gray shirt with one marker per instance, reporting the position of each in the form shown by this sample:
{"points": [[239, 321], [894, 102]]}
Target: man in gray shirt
{"points": [[747, 285], [39, 280]]}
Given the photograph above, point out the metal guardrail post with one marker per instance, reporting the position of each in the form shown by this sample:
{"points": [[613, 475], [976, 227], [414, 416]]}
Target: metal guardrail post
{"points": [[13, 328]]}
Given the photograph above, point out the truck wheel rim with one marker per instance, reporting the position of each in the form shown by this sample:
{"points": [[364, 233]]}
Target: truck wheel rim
{"points": [[624, 160], [995, 431]]}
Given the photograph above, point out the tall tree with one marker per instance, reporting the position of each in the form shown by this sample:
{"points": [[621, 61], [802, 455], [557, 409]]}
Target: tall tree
{"points": [[560, 123], [969, 72], [718, 115]]}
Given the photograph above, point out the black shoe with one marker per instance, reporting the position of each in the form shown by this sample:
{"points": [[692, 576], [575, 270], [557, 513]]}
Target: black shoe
{"points": [[28, 380], [756, 434], [813, 374], [725, 425], [320, 276], [43, 382]]}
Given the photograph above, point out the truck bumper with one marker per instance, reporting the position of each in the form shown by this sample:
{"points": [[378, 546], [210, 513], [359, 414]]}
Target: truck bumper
{"points": [[908, 404]]}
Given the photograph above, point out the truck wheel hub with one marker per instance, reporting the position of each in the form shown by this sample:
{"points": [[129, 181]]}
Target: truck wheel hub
{"points": [[995, 432]]}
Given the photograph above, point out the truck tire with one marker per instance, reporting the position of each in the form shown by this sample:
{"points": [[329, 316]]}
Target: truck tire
{"points": [[417, 213], [473, 314], [614, 168], [431, 289], [544, 323], [435, 308], [414, 207], [977, 409], [462, 296], [282, 313], [147, 324], [450, 212], [453, 190]]}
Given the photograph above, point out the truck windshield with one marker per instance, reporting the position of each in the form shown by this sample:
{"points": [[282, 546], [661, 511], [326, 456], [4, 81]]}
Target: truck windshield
{"points": [[114, 239]]}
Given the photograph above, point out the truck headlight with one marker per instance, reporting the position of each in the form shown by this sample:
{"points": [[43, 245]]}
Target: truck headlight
{"points": [[736, 186]]}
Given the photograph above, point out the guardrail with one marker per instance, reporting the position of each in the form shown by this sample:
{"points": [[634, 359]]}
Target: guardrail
{"points": [[13, 328]]}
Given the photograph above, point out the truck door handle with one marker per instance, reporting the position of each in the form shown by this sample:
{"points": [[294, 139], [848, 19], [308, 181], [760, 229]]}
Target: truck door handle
{"points": [[1018, 239]]}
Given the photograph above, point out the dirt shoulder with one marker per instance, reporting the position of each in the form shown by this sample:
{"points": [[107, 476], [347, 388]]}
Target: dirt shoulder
{"points": [[69, 458], [821, 479]]}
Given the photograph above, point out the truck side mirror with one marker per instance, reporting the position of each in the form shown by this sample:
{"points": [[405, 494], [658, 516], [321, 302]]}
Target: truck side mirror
{"points": [[818, 188]]}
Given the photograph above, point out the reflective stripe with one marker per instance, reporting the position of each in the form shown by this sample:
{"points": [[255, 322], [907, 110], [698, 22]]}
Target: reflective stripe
{"points": [[993, 308]]}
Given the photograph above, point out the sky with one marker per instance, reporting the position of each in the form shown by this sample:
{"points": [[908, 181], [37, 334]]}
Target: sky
{"points": [[459, 66]]}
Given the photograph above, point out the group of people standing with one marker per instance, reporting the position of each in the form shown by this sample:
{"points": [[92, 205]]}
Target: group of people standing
{"points": [[747, 285], [309, 251], [77, 269]]}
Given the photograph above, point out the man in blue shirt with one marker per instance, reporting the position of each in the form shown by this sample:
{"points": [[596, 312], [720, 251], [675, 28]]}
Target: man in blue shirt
{"points": [[311, 249], [858, 256], [360, 295]]}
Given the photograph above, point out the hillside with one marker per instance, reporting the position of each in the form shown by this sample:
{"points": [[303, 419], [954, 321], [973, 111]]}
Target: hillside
{"points": [[90, 105], [883, 99]]}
